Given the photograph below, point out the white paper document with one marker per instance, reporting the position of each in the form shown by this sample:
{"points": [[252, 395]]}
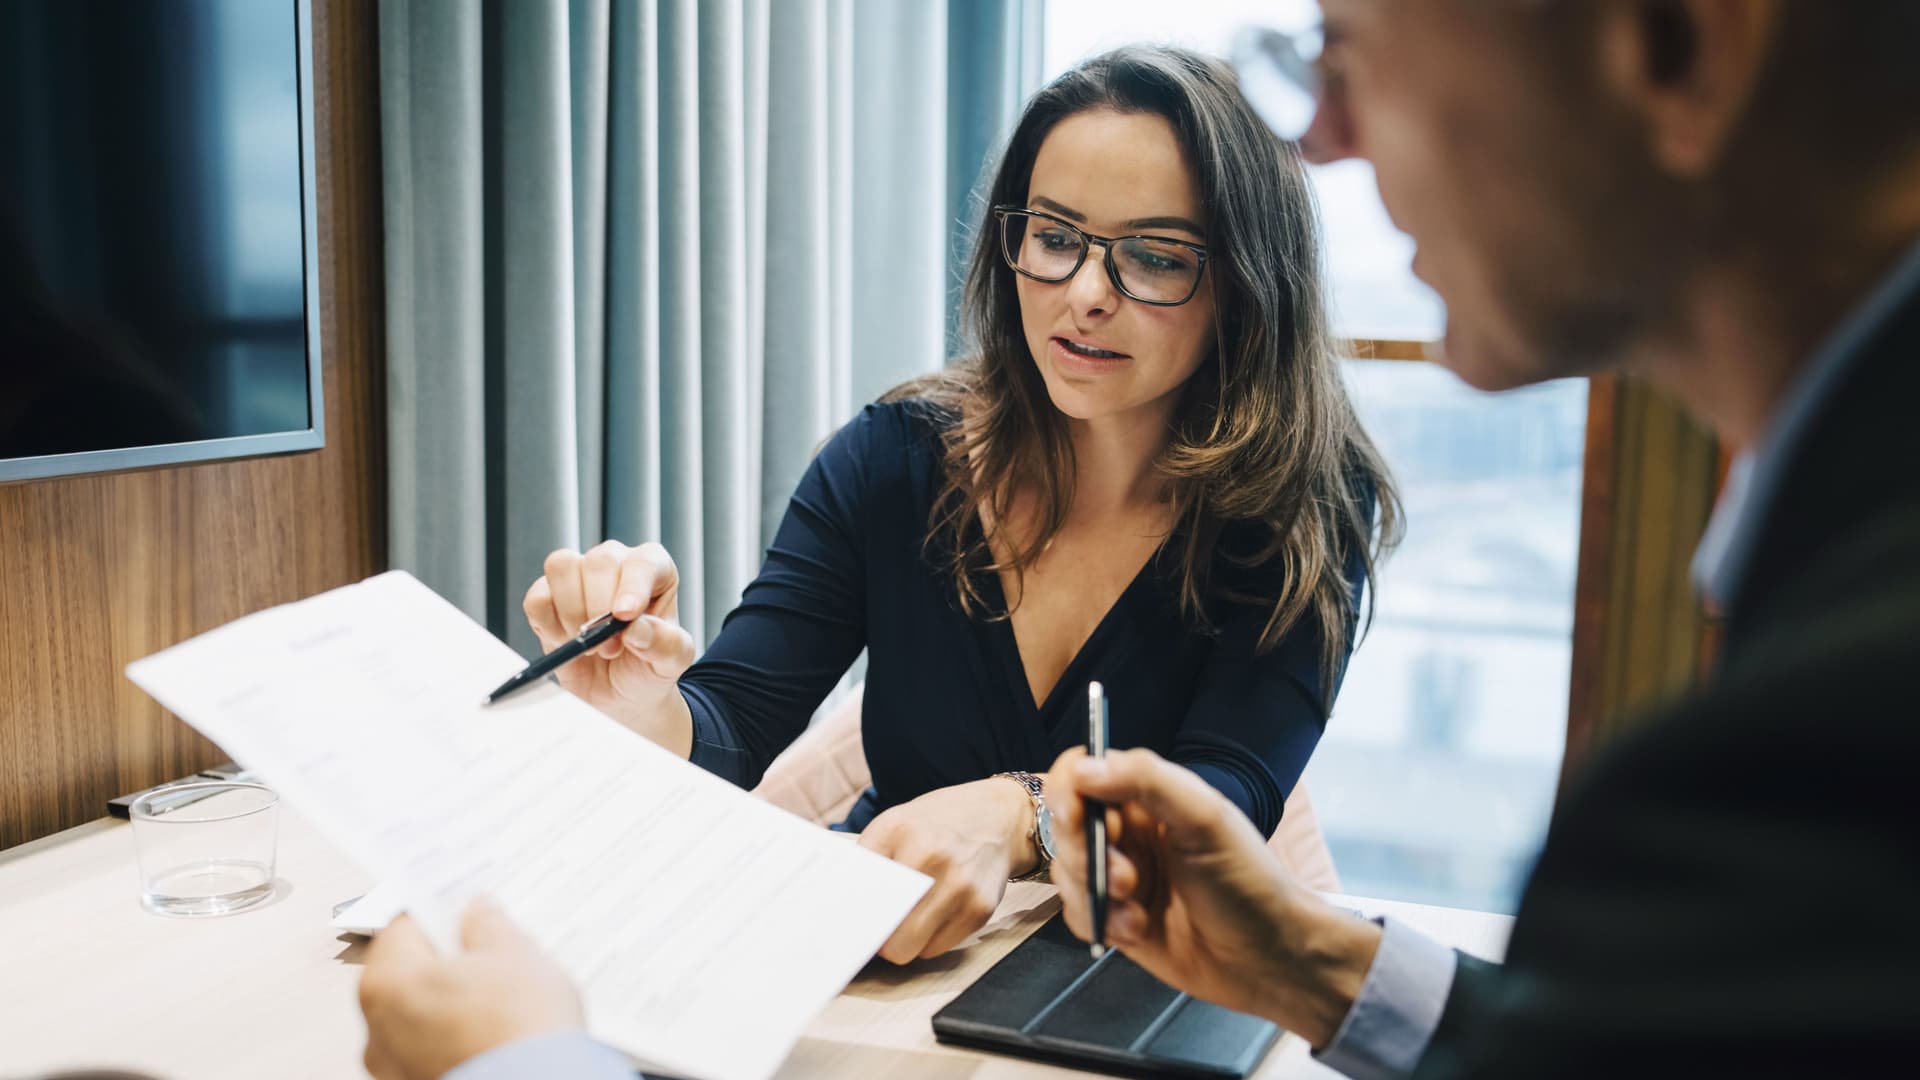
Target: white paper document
{"points": [[371, 912], [704, 927]]}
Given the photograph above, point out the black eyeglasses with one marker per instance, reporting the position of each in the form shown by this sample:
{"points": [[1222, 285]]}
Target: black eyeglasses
{"points": [[1155, 270], [1282, 75]]}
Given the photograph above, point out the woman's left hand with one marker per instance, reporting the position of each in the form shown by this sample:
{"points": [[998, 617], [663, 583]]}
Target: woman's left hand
{"points": [[969, 838]]}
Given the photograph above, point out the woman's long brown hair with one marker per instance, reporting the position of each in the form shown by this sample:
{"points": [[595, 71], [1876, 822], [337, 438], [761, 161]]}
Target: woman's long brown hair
{"points": [[1263, 434]]}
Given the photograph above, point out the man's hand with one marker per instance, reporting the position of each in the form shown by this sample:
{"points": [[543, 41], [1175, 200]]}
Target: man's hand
{"points": [[969, 838], [1198, 900], [427, 1013]]}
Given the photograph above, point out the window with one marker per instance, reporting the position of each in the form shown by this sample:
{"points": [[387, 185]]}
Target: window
{"points": [[1438, 769], [1373, 291]]}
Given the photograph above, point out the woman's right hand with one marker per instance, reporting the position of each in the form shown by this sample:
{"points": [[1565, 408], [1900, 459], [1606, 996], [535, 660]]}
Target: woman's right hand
{"points": [[632, 677]]}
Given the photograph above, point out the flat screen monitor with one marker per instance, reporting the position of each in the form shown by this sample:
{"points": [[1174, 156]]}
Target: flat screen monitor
{"points": [[158, 284]]}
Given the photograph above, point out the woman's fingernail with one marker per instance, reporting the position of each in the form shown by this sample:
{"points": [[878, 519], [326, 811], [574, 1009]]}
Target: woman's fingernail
{"points": [[626, 607]]}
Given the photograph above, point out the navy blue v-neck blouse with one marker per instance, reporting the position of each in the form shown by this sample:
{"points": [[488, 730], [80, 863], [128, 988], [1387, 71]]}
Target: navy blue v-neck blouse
{"points": [[947, 699]]}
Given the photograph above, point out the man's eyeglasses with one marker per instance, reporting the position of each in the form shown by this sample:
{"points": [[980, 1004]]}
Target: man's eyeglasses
{"points": [[1154, 270], [1281, 76]]}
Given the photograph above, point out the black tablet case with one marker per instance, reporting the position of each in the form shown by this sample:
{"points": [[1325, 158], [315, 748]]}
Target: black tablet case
{"points": [[1049, 999]]}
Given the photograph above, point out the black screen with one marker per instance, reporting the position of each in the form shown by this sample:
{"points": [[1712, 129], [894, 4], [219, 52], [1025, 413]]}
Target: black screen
{"points": [[152, 276]]}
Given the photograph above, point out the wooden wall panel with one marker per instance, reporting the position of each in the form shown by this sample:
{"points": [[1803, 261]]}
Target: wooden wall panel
{"points": [[98, 571]]}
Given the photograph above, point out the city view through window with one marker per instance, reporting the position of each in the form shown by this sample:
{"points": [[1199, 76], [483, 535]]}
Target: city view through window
{"points": [[1437, 772]]}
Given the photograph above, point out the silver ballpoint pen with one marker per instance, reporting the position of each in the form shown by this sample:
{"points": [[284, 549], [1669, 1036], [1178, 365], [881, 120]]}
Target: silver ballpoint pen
{"points": [[1096, 814]]}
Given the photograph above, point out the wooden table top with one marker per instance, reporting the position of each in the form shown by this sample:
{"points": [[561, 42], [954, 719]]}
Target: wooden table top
{"points": [[90, 979]]}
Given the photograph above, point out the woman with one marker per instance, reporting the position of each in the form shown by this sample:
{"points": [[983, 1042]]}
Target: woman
{"points": [[1147, 474]]}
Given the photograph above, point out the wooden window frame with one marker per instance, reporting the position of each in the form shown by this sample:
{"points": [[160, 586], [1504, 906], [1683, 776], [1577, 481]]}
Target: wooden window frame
{"points": [[1641, 633], [1386, 349]]}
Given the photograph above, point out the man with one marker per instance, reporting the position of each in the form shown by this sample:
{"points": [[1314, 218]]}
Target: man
{"points": [[1720, 195]]}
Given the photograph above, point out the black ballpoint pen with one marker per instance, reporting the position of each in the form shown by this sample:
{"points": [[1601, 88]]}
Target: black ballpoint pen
{"points": [[589, 638], [1096, 814]]}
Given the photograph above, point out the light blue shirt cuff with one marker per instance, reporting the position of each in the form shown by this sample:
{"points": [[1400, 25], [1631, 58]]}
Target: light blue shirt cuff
{"points": [[562, 1053], [1398, 1009]]}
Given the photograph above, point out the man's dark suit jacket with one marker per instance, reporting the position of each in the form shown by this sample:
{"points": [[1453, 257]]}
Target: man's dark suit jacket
{"points": [[1734, 888]]}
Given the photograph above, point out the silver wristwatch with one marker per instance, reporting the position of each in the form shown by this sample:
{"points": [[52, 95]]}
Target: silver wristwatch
{"points": [[1042, 825]]}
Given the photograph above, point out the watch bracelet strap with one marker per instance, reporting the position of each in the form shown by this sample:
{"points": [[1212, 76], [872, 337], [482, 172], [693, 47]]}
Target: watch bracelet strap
{"points": [[1043, 866]]}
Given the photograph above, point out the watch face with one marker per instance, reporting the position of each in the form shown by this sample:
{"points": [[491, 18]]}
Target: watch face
{"points": [[1043, 829]]}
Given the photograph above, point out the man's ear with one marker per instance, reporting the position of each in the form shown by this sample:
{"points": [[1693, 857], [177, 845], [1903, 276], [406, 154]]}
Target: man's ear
{"points": [[1690, 69]]}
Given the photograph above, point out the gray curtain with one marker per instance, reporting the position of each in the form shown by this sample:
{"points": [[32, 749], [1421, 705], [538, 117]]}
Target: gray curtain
{"points": [[643, 256]]}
